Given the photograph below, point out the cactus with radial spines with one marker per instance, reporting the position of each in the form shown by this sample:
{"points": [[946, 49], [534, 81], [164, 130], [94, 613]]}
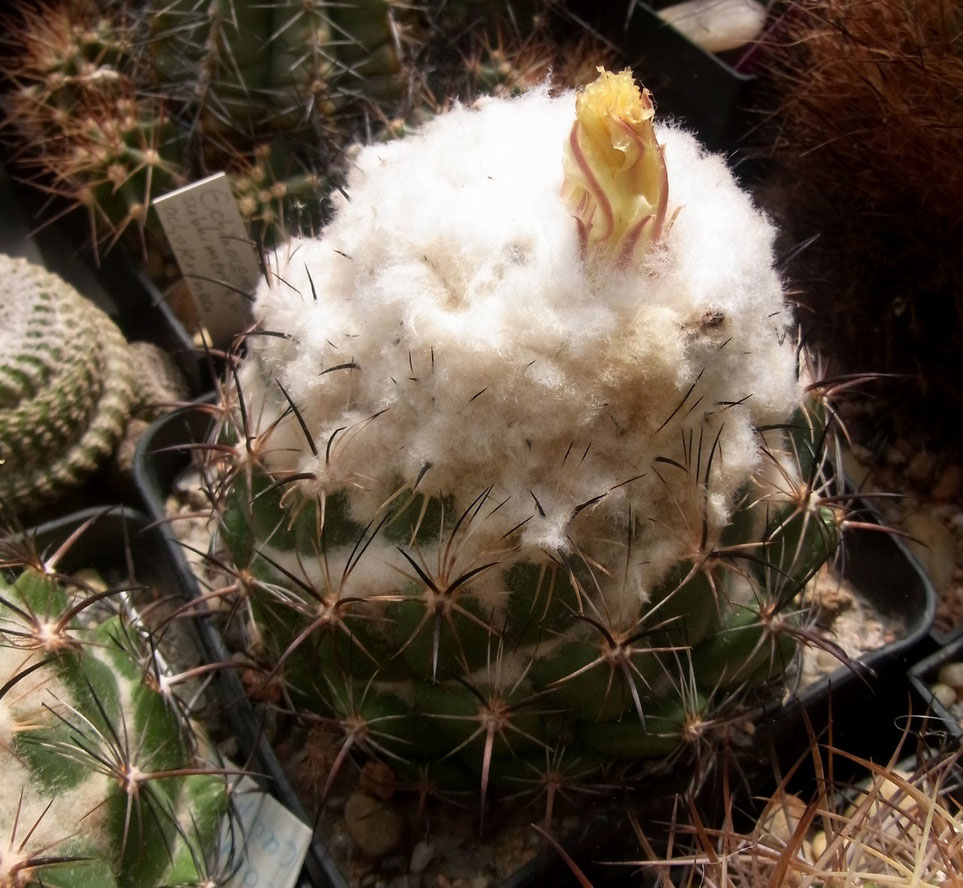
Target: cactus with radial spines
{"points": [[107, 781], [70, 384], [66, 386], [239, 68], [521, 478]]}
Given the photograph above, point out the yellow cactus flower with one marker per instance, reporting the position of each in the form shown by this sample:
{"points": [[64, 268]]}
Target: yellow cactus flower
{"points": [[615, 178]]}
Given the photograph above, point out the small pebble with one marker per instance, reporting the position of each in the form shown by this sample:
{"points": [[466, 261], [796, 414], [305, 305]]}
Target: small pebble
{"points": [[895, 457], [375, 826], [863, 454], [377, 779], [420, 857], [827, 661], [951, 674], [943, 694], [818, 845], [905, 447], [781, 817]]}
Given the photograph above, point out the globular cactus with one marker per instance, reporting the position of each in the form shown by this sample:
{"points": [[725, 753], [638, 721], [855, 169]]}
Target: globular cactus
{"points": [[66, 385], [107, 146], [238, 66], [107, 782], [518, 474], [69, 384]]}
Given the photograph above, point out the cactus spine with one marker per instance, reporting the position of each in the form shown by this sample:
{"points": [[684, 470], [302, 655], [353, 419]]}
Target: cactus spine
{"points": [[514, 493], [105, 781]]}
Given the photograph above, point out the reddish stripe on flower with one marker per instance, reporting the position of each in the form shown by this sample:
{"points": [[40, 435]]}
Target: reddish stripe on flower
{"points": [[615, 177]]}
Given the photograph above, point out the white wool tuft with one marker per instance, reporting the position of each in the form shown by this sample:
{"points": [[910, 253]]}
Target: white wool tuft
{"points": [[446, 319]]}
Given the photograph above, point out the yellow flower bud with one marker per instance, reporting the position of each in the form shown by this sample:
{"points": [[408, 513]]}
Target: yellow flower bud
{"points": [[615, 179]]}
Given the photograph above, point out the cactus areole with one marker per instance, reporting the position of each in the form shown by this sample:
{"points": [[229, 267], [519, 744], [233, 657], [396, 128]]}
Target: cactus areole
{"points": [[519, 464]]}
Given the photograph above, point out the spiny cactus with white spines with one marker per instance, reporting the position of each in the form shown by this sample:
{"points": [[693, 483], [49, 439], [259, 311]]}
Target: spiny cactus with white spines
{"points": [[517, 472], [107, 782]]}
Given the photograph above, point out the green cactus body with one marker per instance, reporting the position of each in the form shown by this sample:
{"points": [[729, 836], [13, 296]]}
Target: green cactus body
{"points": [[103, 782], [513, 488], [65, 386]]}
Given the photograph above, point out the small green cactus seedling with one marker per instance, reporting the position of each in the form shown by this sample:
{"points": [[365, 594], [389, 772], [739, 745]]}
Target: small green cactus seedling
{"points": [[519, 472], [106, 779]]}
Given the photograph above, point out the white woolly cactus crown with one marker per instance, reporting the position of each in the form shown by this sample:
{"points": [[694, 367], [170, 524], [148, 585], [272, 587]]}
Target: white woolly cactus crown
{"points": [[456, 328]]}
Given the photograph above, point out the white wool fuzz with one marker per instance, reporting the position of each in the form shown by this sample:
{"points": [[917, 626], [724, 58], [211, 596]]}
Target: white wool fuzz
{"points": [[447, 327], [54, 821]]}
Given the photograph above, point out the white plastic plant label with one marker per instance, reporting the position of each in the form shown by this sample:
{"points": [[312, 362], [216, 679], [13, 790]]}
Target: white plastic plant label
{"points": [[215, 253], [272, 841]]}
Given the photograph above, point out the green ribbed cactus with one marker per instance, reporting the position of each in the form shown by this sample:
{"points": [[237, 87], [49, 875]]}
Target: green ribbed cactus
{"points": [[105, 780], [239, 65], [519, 477], [74, 394], [66, 386]]}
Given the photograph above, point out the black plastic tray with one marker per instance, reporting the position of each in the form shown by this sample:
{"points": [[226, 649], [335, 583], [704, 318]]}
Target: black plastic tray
{"points": [[868, 706]]}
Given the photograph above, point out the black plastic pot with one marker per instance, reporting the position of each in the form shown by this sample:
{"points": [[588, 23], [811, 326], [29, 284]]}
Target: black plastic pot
{"points": [[119, 542], [866, 707], [161, 456], [864, 704], [699, 88]]}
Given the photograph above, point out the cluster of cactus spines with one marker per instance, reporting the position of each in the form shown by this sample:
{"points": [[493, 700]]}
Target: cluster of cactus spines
{"points": [[129, 104], [887, 823], [106, 781], [67, 91], [512, 499], [857, 145]]}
